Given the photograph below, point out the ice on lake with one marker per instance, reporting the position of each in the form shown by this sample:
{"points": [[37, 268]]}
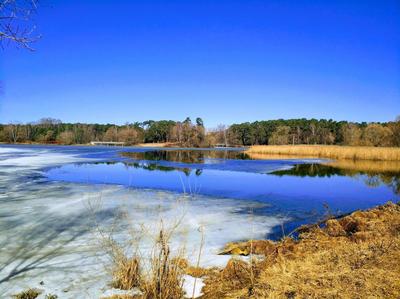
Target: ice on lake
{"points": [[51, 231]]}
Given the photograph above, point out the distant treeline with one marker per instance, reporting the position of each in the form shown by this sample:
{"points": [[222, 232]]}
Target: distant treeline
{"points": [[193, 134], [53, 131], [313, 131]]}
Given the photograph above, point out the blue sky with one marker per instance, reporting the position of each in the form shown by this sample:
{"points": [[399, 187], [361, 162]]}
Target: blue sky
{"points": [[226, 61]]}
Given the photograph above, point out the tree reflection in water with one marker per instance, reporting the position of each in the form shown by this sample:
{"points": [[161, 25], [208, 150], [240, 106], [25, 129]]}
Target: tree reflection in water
{"points": [[373, 173]]}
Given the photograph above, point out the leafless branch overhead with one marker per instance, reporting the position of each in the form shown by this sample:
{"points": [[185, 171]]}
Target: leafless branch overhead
{"points": [[16, 23]]}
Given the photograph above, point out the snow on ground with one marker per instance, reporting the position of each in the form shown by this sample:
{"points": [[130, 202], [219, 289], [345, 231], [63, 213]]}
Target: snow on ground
{"points": [[51, 232]]}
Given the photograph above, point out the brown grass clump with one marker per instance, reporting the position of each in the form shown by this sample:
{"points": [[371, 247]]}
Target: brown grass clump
{"points": [[246, 248], [165, 278], [194, 271], [126, 273], [121, 297], [28, 294], [161, 276], [326, 151], [356, 256]]}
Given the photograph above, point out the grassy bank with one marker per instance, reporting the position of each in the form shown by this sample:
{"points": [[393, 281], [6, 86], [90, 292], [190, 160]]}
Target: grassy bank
{"points": [[325, 151], [356, 256]]}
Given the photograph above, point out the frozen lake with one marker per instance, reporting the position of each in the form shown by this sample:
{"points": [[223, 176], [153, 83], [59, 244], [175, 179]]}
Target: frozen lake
{"points": [[56, 202]]}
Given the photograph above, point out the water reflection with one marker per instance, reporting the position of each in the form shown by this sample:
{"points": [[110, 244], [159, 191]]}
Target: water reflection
{"points": [[367, 166], [151, 167], [186, 156], [291, 188], [373, 173]]}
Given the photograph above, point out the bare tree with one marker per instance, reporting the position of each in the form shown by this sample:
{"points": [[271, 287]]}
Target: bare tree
{"points": [[221, 134], [16, 23], [66, 137], [12, 131]]}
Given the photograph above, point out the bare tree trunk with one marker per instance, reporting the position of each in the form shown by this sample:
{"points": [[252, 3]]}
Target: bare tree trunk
{"points": [[14, 132]]}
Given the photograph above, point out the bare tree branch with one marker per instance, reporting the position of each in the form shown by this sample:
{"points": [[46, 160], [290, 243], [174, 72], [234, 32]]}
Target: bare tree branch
{"points": [[16, 23]]}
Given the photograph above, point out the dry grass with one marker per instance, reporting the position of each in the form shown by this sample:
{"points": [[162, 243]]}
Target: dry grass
{"points": [[357, 256], [126, 273], [194, 271], [326, 151], [143, 263], [161, 144], [121, 297], [28, 294], [158, 276], [165, 278]]}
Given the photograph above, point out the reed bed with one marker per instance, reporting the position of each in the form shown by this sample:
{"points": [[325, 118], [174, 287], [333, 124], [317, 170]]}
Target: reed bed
{"points": [[326, 151]]}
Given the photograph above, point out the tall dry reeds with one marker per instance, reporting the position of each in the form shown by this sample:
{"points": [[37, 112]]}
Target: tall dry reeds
{"points": [[149, 260], [126, 273], [325, 151], [155, 275], [165, 279]]}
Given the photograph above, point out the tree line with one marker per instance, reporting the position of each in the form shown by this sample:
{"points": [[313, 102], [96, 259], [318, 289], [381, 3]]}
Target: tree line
{"points": [[308, 131], [188, 133], [53, 131]]}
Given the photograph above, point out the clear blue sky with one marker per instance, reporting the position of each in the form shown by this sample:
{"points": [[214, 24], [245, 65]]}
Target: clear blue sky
{"points": [[226, 61]]}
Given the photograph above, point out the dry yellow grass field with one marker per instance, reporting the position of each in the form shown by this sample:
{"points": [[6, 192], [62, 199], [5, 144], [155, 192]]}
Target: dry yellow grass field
{"points": [[357, 256], [326, 151]]}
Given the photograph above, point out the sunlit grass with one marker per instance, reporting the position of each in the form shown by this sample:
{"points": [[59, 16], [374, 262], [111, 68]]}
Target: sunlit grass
{"points": [[355, 256], [325, 151]]}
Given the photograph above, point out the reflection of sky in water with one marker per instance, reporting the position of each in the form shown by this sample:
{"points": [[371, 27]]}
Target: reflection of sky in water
{"points": [[285, 192], [287, 186]]}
